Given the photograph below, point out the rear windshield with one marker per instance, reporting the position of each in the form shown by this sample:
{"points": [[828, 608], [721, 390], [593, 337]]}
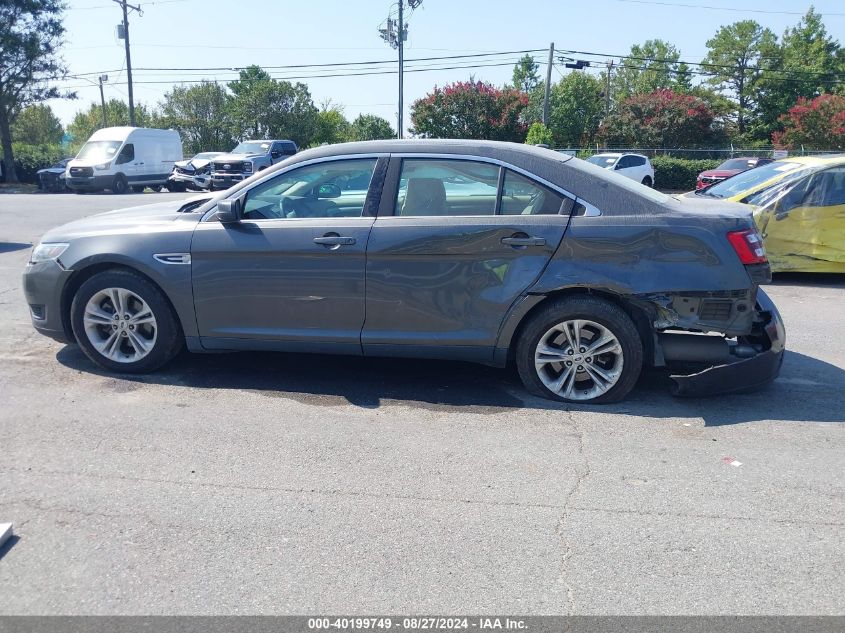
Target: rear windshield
{"points": [[602, 160], [750, 179], [737, 163]]}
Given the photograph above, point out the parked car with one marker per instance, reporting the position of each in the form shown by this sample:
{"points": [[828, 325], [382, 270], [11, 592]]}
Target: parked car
{"points": [[634, 166], [479, 251], [117, 158], [744, 184], [802, 219], [730, 167], [246, 159], [194, 173], [52, 178]]}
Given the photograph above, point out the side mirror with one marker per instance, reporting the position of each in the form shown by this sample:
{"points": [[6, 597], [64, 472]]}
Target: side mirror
{"points": [[229, 211], [328, 190]]}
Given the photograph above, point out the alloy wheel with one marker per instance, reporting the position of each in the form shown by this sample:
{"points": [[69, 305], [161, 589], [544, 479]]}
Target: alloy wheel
{"points": [[120, 325]]}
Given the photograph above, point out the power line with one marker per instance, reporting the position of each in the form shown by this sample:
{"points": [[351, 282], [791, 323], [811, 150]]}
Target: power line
{"points": [[681, 5]]}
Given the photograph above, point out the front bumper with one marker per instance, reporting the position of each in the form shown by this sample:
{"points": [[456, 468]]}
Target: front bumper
{"points": [[224, 181], [201, 181], [43, 284], [89, 183], [743, 374]]}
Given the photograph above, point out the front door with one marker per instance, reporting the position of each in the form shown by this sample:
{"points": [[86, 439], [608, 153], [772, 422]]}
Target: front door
{"points": [[455, 244], [290, 275]]}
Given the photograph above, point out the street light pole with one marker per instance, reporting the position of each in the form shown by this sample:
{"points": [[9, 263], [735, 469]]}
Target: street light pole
{"points": [[103, 79], [401, 66], [548, 84]]}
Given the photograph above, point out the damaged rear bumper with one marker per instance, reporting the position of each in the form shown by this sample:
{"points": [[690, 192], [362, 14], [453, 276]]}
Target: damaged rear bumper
{"points": [[750, 364]]}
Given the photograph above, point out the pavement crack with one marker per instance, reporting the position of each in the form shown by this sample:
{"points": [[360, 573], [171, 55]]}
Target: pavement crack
{"points": [[565, 507]]}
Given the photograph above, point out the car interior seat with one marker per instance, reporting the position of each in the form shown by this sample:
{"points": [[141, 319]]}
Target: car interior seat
{"points": [[424, 196]]}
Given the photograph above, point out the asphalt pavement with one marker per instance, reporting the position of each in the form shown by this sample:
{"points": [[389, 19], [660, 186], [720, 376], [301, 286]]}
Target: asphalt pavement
{"points": [[277, 484]]}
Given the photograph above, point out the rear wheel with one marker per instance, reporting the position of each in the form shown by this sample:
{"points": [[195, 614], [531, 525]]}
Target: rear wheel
{"points": [[124, 324], [580, 349], [647, 181], [119, 184]]}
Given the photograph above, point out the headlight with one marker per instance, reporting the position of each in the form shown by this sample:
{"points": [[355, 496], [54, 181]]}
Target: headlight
{"points": [[46, 252], [247, 166], [102, 166]]}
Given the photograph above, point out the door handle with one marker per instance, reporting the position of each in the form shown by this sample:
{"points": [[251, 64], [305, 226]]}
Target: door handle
{"points": [[334, 240], [524, 241]]}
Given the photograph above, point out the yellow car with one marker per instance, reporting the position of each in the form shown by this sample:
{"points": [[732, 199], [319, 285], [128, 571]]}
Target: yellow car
{"points": [[799, 207]]}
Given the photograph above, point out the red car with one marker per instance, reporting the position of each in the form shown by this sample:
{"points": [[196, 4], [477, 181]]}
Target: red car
{"points": [[730, 167]]}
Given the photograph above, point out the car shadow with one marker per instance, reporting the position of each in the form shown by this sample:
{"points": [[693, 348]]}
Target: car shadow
{"points": [[807, 390], [10, 247], [809, 280], [8, 545]]}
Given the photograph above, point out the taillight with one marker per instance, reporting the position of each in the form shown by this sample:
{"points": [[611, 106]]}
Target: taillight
{"points": [[748, 246]]}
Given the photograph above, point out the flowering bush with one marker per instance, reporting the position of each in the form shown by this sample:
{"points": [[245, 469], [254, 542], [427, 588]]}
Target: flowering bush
{"points": [[471, 109], [818, 124]]}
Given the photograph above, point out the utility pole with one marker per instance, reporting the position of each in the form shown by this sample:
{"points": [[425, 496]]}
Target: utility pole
{"points": [[607, 88], [123, 5], [401, 65], [103, 79], [395, 32], [548, 83]]}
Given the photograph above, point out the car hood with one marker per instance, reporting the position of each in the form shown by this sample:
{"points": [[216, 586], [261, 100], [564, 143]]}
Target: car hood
{"points": [[720, 173], [235, 157], [192, 164], [160, 217], [51, 170]]}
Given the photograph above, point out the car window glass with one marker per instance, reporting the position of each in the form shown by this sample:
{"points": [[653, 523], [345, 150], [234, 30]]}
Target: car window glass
{"points": [[637, 161], [826, 189], [126, 154], [324, 190], [624, 162], [522, 196], [446, 187]]}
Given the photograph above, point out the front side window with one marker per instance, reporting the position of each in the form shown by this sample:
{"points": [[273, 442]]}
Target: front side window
{"points": [[522, 196], [127, 154], [324, 190], [446, 187]]}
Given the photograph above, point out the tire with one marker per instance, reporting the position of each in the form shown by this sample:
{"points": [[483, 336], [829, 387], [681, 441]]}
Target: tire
{"points": [[119, 185], [647, 181], [176, 187], [92, 319], [138, 188], [606, 377]]}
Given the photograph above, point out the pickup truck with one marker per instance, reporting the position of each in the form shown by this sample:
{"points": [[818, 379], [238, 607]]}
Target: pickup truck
{"points": [[246, 159]]}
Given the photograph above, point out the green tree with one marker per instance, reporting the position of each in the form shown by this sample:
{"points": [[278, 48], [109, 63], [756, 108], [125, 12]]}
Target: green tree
{"points": [[30, 37], [576, 107], [737, 56], [262, 107], [539, 134], [37, 125], [525, 77], [201, 115], [816, 124], [332, 126], [369, 127], [808, 62], [86, 122], [664, 119], [650, 66], [470, 109]]}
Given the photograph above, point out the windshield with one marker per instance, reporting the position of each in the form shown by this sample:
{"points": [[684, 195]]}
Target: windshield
{"points": [[99, 150], [252, 147], [749, 179], [737, 163], [603, 160]]}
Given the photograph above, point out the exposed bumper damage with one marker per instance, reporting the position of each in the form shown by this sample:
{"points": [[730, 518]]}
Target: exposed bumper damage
{"points": [[704, 364]]}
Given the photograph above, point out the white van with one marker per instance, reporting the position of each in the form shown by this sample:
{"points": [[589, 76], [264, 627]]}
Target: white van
{"points": [[118, 158]]}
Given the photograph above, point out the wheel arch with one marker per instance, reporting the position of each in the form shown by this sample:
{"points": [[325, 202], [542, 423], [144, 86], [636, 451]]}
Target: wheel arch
{"points": [[83, 274], [523, 312]]}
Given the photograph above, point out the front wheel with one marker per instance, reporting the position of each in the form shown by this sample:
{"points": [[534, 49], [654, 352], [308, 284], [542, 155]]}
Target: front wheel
{"points": [[580, 349], [119, 184], [124, 323]]}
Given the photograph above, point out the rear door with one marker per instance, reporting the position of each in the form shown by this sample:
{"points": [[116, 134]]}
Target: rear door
{"points": [[455, 244]]}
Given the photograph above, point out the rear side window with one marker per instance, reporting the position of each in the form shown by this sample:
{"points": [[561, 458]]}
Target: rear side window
{"points": [[523, 196], [446, 188], [637, 161]]}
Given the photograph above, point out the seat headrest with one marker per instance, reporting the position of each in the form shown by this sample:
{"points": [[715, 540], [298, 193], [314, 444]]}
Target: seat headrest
{"points": [[425, 196]]}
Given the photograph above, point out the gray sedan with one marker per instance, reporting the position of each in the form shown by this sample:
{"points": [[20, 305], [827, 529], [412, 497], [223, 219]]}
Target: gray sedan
{"points": [[488, 252]]}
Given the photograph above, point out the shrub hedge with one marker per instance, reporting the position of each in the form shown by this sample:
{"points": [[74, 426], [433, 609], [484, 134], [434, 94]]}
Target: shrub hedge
{"points": [[679, 173], [30, 158]]}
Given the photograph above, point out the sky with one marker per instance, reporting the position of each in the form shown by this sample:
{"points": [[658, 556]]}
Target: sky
{"points": [[227, 34]]}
